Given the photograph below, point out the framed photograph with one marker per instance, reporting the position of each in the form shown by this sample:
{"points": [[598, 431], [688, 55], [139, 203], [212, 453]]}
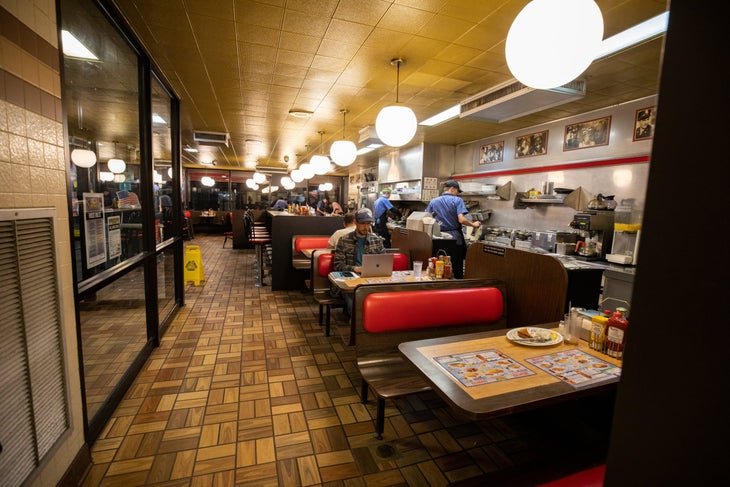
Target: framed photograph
{"points": [[644, 123], [493, 152], [531, 145], [591, 133]]}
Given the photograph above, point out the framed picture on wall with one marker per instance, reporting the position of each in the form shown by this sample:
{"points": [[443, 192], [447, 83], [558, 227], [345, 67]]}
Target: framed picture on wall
{"points": [[492, 152], [591, 133], [644, 123], [531, 145]]}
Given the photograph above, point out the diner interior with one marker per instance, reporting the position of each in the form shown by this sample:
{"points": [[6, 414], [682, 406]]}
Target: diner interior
{"points": [[185, 360]]}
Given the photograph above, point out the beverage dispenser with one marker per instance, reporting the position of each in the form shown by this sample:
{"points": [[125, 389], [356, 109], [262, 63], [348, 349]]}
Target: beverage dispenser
{"points": [[626, 233]]}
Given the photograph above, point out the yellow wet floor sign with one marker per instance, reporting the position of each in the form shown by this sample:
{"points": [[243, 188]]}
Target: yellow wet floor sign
{"points": [[193, 265]]}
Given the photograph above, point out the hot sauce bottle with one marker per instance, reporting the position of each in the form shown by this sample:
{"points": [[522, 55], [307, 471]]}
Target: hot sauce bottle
{"points": [[616, 333]]}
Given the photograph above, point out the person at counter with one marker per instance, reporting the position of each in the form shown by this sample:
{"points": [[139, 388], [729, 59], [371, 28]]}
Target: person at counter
{"points": [[324, 207], [348, 223], [281, 204], [450, 212], [382, 209], [337, 209], [351, 247]]}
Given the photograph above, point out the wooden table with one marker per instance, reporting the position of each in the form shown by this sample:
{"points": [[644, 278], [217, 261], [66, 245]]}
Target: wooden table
{"points": [[500, 397], [348, 285]]}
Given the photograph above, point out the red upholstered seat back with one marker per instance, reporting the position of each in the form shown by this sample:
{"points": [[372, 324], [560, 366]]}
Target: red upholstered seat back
{"points": [[409, 310], [325, 264], [400, 262], [311, 243]]}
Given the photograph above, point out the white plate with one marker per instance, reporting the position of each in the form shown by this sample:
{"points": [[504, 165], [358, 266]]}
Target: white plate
{"points": [[553, 336]]}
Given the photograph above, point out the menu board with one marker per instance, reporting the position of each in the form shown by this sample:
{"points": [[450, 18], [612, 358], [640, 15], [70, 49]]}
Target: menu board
{"points": [[576, 367], [482, 367]]}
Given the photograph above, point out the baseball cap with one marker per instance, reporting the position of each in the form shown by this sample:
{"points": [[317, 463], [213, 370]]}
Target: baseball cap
{"points": [[364, 215], [452, 184]]}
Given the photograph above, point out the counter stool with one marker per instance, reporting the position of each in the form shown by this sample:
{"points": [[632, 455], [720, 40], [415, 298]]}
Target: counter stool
{"points": [[260, 237]]}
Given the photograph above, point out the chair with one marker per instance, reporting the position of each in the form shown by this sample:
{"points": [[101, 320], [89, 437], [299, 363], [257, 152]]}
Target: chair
{"points": [[261, 238], [228, 234], [322, 265], [187, 229]]}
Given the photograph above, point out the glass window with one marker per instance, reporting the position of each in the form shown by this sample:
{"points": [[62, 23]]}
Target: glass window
{"points": [[101, 97], [162, 162]]}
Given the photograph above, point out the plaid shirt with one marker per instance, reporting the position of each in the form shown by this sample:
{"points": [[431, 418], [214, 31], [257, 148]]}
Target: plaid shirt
{"points": [[346, 251]]}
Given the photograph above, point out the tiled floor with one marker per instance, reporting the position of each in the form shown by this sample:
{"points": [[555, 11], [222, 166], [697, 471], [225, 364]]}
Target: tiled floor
{"points": [[245, 389]]}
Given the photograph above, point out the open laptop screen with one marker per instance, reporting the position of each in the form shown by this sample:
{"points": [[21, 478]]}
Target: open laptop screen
{"points": [[377, 265]]}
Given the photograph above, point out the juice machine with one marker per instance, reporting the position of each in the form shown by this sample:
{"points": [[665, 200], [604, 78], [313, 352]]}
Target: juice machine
{"points": [[626, 233], [595, 230]]}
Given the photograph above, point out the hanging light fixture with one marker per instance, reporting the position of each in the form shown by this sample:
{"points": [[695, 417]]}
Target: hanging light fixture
{"points": [[115, 165], [307, 170], [320, 163], [396, 124], [207, 181], [106, 176], [297, 176], [83, 157], [259, 177], [343, 152], [551, 42]]}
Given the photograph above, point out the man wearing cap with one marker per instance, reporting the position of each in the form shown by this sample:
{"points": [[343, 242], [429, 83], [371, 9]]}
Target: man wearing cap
{"points": [[450, 212], [382, 208], [351, 247]]}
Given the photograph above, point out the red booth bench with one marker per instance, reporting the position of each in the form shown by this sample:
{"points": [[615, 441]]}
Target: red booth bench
{"points": [[386, 315]]}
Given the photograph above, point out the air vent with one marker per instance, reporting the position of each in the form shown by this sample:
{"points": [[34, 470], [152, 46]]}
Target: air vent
{"points": [[211, 138], [513, 99]]}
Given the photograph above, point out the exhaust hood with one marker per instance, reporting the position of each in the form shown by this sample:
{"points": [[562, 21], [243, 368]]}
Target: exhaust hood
{"points": [[513, 99]]}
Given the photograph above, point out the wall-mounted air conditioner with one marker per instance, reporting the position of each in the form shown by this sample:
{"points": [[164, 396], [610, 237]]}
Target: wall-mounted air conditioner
{"points": [[513, 99], [211, 138]]}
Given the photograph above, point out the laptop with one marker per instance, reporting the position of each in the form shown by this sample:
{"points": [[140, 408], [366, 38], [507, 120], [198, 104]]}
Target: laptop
{"points": [[377, 265]]}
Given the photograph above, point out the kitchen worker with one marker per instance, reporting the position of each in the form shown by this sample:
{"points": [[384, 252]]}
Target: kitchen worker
{"points": [[381, 210], [450, 212], [351, 247]]}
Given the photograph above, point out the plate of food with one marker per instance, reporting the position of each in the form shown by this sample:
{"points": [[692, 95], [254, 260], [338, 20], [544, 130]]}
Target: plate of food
{"points": [[534, 337]]}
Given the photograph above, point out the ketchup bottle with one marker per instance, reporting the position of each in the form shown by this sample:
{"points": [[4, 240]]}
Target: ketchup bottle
{"points": [[616, 334]]}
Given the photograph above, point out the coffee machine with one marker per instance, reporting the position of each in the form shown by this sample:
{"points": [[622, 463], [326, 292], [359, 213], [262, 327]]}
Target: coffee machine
{"points": [[595, 230]]}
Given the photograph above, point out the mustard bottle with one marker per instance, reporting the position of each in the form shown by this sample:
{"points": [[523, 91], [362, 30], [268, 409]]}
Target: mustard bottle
{"points": [[439, 269], [599, 323]]}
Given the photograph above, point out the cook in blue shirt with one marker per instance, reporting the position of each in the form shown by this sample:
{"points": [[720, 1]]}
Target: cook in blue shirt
{"points": [[450, 212], [381, 209]]}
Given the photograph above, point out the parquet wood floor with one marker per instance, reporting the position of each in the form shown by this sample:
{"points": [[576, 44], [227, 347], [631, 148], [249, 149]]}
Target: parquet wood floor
{"points": [[245, 390]]}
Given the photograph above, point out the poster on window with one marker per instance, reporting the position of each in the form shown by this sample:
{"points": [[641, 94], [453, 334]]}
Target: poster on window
{"points": [[114, 234], [94, 231]]}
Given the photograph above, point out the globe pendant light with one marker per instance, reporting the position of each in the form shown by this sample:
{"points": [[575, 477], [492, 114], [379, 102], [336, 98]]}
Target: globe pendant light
{"points": [[343, 152], [117, 166], [551, 42], [396, 124], [320, 163], [83, 157], [307, 170]]}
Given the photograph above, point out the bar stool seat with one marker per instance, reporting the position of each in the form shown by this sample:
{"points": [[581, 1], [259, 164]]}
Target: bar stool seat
{"points": [[260, 237]]}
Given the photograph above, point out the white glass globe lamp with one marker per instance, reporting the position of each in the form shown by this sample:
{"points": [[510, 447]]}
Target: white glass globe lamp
{"points": [[297, 176], [83, 157], [551, 42], [320, 164], [307, 170], [117, 166], [259, 177]]}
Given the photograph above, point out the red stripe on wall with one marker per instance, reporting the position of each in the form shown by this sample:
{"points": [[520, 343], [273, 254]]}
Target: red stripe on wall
{"points": [[556, 167]]}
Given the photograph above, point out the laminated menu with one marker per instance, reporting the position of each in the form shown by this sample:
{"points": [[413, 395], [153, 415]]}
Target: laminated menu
{"points": [[482, 367], [576, 367]]}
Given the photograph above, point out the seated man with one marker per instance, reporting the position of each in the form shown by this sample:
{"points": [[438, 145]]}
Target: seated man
{"points": [[281, 204], [351, 247], [348, 223]]}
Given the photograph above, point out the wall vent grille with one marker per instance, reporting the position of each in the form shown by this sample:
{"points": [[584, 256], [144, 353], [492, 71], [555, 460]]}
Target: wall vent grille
{"points": [[33, 397]]}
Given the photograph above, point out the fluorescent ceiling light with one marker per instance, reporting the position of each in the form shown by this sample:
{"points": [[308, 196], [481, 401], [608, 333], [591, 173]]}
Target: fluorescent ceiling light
{"points": [[157, 119], [368, 148], [447, 114], [72, 47], [190, 149], [634, 35]]}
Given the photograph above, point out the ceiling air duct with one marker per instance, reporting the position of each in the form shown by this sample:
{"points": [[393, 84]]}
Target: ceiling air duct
{"points": [[513, 99], [211, 138]]}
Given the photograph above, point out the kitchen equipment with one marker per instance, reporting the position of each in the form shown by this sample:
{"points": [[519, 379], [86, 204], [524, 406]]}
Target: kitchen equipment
{"points": [[626, 234], [594, 226]]}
